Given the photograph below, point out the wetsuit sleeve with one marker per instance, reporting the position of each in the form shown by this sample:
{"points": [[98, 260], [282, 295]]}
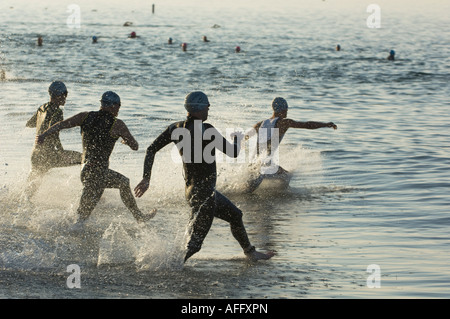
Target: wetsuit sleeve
{"points": [[231, 150], [32, 121], [161, 141], [56, 118]]}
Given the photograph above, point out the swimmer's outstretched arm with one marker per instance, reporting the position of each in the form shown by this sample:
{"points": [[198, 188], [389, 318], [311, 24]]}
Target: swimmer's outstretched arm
{"points": [[161, 141], [252, 131], [73, 121], [310, 125]]}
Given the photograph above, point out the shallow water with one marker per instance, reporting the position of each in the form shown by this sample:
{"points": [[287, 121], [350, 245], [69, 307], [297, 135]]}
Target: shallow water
{"points": [[373, 192]]}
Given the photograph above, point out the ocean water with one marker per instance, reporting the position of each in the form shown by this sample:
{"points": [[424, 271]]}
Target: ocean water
{"points": [[366, 214]]}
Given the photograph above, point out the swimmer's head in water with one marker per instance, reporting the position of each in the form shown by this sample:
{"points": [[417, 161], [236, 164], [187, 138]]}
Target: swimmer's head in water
{"points": [[57, 88], [279, 105], [196, 102], [392, 52], [109, 99]]}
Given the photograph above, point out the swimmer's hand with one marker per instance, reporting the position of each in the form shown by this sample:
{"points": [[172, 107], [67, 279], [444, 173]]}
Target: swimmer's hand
{"points": [[142, 187], [331, 124]]}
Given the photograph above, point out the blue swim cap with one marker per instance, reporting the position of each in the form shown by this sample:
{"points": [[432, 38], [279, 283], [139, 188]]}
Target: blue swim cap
{"points": [[110, 98], [57, 88], [392, 52], [279, 104], [195, 102]]}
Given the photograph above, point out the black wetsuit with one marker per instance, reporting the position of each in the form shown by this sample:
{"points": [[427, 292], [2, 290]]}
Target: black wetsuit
{"points": [[98, 144], [200, 176], [50, 154]]}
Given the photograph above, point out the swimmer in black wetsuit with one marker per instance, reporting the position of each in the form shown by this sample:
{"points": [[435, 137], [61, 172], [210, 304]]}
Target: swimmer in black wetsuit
{"points": [[50, 154], [99, 131], [198, 154]]}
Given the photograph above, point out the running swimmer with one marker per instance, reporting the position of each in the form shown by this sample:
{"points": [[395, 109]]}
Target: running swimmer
{"points": [[200, 175], [51, 153], [274, 127], [99, 132]]}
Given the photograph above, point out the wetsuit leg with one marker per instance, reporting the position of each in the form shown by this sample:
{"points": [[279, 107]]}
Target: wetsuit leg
{"points": [[202, 215], [93, 188], [253, 183], [67, 158], [42, 162], [40, 165], [227, 211], [114, 179], [34, 180]]}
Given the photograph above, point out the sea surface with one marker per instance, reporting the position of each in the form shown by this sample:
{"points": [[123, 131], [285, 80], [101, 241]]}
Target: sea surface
{"points": [[367, 211]]}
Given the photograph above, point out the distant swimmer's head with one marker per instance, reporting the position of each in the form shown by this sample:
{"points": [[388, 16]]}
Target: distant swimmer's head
{"points": [[197, 103], [184, 46], [338, 47], [94, 39], [133, 35], [279, 105], [391, 55], [169, 41], [111, 102], [237, 49], [58, 92]]}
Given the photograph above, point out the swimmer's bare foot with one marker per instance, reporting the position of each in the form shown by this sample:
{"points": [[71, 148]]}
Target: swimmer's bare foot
{"points": [[254, 255], [142, 218]]}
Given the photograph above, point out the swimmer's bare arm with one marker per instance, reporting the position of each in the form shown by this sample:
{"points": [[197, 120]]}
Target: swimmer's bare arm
{"points": [[121, 130], [73, 121], [252, 131], [161, 141], [310, 125]]}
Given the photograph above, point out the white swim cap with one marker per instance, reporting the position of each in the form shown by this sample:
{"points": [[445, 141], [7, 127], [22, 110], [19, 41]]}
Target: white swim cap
{"points": [[110, 98], [279, 104], [57, 88], [196, 101]]}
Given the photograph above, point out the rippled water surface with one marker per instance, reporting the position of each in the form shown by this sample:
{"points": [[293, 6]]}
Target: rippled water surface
{"points": [[373, 192]]}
